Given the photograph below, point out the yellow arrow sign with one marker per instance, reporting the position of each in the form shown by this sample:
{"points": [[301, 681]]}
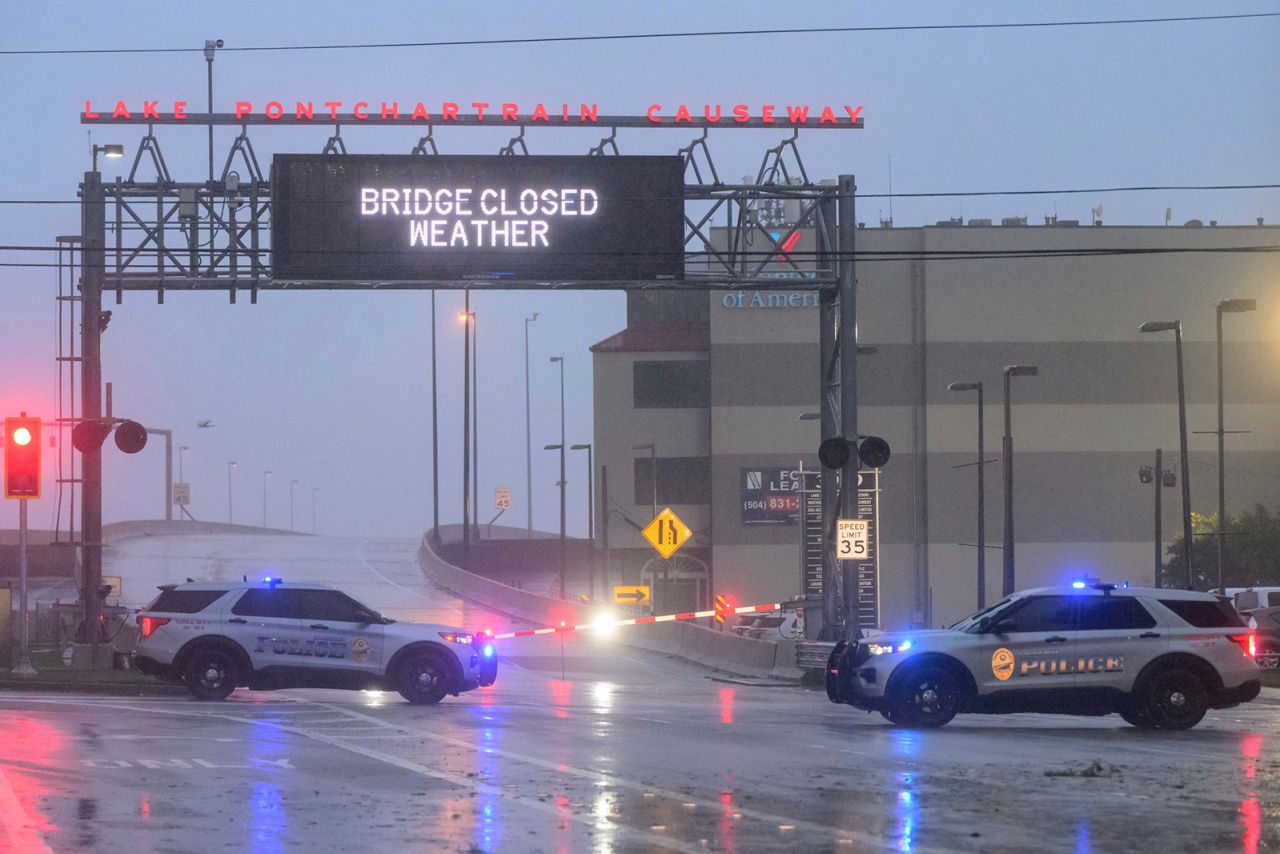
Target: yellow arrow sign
{"points": [[624, 594], [666, 533]]}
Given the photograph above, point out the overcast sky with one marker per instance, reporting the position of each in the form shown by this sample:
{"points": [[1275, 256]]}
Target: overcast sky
{"points": [[332, 389]]}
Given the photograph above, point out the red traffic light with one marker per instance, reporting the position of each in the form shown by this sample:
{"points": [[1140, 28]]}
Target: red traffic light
{"points": [[22, 457]]}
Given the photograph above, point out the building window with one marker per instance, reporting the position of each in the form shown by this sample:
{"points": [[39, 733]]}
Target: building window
{"points": [[671, 384], [681, 480]]}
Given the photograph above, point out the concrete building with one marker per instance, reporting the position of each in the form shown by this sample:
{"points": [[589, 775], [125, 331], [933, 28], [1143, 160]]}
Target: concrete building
{"points": [[717, 383]]}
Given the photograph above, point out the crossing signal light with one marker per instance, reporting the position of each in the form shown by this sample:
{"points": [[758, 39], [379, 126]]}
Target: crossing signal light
{"points": [[22, 457], [723, 607]]}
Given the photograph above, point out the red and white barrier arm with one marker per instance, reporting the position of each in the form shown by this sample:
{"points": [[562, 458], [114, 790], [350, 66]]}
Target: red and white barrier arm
{"points": [[638, 621]]}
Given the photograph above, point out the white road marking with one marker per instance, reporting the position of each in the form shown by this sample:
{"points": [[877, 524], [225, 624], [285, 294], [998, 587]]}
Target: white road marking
{"points": [[614, 780], [588, 821]]}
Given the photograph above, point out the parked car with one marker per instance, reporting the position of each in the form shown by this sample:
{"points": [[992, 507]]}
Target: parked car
{"points": [[776, 625], [1267, 623]]}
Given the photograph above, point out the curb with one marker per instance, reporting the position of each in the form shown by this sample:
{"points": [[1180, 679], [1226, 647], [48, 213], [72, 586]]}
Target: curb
{"points": [[115, 689]]}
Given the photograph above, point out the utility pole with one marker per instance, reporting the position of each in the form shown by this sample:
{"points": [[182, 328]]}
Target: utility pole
{"points": [[564, 557], [435, 432], [829, 395], [528, 433], [604, 531], [847, 344], [93, 271]]}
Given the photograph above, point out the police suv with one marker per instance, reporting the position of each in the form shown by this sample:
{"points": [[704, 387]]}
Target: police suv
{"points": [[1160, 658], [217, 635]]}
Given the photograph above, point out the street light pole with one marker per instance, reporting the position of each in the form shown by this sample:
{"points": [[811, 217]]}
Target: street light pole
{"points": [[563, 483], [982, 494], [1008, 583], [266, 476], [1187, 536], [1233, 306], [528, 433], [591, 531], [230, 516], [435, 433], [292, 483], [314, 491], [182, 450], [465, 317], [475, 423]]}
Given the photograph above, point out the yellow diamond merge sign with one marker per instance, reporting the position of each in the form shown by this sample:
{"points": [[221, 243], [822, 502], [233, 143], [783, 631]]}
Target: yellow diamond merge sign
{"points": [[666, 533]]}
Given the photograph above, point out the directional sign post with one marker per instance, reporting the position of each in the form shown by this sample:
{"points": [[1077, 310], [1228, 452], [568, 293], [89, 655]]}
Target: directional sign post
{"points": [[666, 533], [631, 594]]}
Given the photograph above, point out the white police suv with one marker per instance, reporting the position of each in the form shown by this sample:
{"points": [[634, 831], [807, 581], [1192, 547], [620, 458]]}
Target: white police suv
{"points": [[217, 635], [1160, 658]]}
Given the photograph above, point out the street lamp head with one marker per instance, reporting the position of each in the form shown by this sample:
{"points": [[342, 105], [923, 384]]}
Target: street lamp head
{"points": [[531, 319], [233, 465], [557, 358], [1237, 306], [964, 387], [585, 447], [1021, 371], [808, 416], [552, 447], [1160, 326]]}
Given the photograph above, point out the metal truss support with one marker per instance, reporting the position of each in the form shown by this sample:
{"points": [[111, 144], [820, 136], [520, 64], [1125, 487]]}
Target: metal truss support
{"points": [[607, 145], [690, 152], [847, 348], [773, 169], [335, 143], [244, 148], [150, 145], [427, 142], [517, 141]]}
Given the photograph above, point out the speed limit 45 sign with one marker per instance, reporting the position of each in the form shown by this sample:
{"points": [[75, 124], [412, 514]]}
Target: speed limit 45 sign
{"points": [[853, 537]]}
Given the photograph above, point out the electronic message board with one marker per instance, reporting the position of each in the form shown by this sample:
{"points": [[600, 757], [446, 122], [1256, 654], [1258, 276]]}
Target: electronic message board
{"points": [[449, 218]]}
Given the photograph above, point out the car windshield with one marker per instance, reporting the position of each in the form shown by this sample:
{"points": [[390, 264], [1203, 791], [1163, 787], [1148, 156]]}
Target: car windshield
{"points": [[968, 623]]}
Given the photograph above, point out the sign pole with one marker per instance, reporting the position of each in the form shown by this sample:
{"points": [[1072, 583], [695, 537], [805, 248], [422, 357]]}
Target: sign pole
{"points": [[847, 345], [24, 667]]}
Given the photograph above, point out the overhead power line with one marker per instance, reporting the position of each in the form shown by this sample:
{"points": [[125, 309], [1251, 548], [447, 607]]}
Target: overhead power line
{"points": [[651, 36], [931, 195]]}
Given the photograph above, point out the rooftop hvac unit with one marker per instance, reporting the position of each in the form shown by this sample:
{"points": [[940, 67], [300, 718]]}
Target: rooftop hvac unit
{"points": [[1066, 222], [979, 222], [954, 222], [1013, 220]]}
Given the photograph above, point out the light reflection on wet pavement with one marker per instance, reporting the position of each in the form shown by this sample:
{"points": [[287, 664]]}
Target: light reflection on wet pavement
{"points": [[630, 752]]}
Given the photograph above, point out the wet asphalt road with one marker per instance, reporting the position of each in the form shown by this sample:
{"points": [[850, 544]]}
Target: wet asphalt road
{"points": [[630, 751]]}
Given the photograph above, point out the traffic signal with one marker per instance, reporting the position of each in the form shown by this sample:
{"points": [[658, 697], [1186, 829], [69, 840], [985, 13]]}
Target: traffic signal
{"points": [[22, 457]]}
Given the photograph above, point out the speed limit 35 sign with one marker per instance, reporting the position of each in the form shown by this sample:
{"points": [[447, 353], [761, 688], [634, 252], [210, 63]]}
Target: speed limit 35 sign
{"points": [[853, 537]]}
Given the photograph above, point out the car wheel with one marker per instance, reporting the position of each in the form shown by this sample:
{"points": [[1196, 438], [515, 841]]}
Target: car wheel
{"points": [[212, 673], [1136, 717], [927, 697], [1175, 699], [424, 679]]}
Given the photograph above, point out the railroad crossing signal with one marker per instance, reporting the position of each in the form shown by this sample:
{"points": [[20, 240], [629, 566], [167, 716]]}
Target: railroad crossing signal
{"points": [[631, 594], [22, 457], [723, 608], [666, 533]]}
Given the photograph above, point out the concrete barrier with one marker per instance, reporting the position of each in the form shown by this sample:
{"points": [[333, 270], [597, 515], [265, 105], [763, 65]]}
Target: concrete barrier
{"points": [[686, 640], [161, 527]]}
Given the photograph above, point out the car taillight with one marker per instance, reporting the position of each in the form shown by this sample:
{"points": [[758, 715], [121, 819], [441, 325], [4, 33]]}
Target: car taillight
{"points": [[1248, 643], [150, 624]]}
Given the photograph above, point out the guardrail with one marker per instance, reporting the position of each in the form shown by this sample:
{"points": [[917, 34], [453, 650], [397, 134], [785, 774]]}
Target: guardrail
{"points": [[812, 655]]}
